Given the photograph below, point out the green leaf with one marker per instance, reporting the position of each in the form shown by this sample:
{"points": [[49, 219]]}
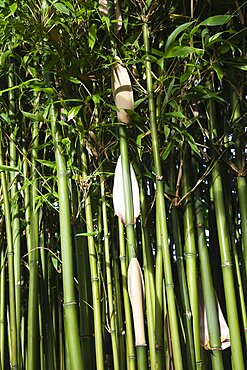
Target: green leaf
{"points": [[216, 20], [74, 80], [182, 51], [34, 116], [8, 168], [167, 150], [61, 8], [175, 115], [175, 33], [219, 71], [192, 144], [46, 163], [92, 33], [13, 8], [73, 112]]}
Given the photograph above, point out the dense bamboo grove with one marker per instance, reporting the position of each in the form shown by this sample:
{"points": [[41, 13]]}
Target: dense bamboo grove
{"points": [[156, 277]]}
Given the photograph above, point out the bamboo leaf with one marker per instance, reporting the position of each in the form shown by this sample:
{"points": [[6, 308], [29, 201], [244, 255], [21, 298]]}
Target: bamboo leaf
{"points": [[172, 37], [92, 32], [182, 51], [216, 20], [8, 168], [61, 8]]}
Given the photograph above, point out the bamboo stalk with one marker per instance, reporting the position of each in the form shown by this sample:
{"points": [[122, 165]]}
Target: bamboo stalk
{"points": [[12, 304], [94, 272], [187, 314], [224, 245], [14, 199], [33, 257], [2, 306], [207, 287], [70, 310], [160, 204], [130, 349], [191, 257], [108, 264]]}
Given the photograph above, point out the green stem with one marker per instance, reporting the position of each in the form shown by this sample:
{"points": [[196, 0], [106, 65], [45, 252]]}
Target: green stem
{"points": [[33, 324], [187, 314], [208, 288], [128, 198], [224, 245], [191, 257], [161, 211], [109, 274], [94, 272], [12, 303], [130, 349], [70, 309]]}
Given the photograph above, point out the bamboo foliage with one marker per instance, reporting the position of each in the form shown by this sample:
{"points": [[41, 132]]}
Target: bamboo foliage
{"points": [[123, 185]]}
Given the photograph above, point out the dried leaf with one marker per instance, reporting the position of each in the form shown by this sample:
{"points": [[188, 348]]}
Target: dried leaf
{"points": [[118, 192], [118, 14], [122, 91], [136, 294], [103, 8], [204, 334]]}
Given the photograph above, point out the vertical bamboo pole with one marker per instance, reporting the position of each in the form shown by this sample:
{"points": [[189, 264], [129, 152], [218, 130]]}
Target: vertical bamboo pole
{"points": [[33, 302], [94, 271], [191, 256], [224, 245], [14, 198], [70, 309], [187, 314], [130, 348], [208, 288], [108, 265], [12, 304], [161, 211]]}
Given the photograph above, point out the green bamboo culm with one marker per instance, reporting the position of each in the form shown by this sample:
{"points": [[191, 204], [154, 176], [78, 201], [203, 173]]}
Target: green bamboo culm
{"points": [[115, 344], [241, 179], [14, 199], [33, 354], [207, 287], [161, 214], [93, 269], [130, 348], [191, 255], [70, 309], [128, 197], [10, 253], [187, 314], [2, 303], [224, 245]]}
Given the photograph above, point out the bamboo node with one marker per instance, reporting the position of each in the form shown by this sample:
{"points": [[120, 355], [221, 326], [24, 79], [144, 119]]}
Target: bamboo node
{"points": [[190, 254], [159, 347], [227, 264], [201, 226], [245, 329], [94, 279], [85, 336], [170, 286], [215, 348], [159, 178], [122, 258], [71, 303]]}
